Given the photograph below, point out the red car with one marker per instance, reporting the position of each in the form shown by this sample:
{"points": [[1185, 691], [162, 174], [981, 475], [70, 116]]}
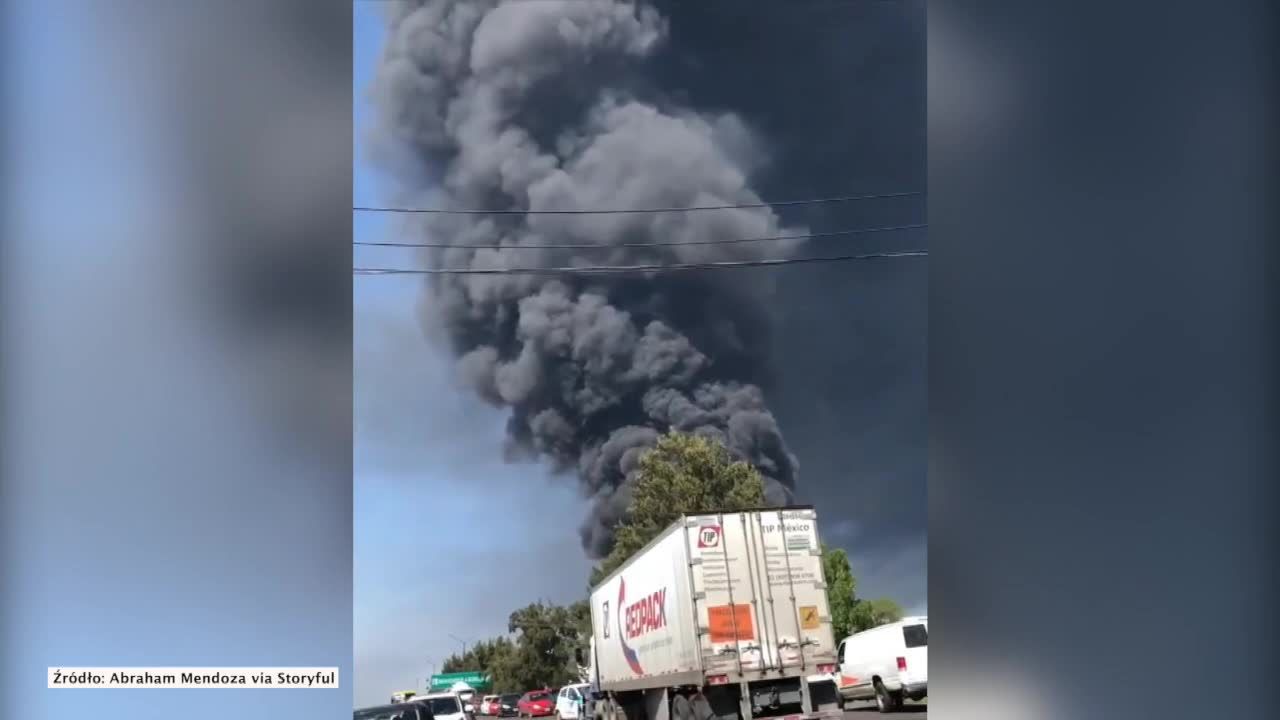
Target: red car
{"points": [[535, 703]]}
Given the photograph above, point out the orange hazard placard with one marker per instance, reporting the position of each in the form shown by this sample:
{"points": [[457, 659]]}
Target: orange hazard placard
{"points": [[722, 620]]}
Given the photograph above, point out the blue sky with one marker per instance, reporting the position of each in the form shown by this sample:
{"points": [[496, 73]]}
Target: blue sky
{"points": [[448, 538]]}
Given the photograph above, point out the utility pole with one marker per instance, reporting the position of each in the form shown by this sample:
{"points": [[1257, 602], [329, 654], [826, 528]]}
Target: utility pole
{"points": [[464, 643]]}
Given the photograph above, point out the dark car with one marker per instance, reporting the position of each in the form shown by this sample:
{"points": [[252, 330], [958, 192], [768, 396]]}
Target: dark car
{"points": [[399, 711], [509, 705]]}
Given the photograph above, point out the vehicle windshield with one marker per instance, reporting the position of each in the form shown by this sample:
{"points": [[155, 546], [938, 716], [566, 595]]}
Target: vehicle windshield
{"points": [[915, 636], [538, 696], [443, 705], [509, 699], [402, 712]]}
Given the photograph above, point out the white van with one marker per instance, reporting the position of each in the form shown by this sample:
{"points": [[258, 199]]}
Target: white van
{"points": [[444, 706], [570, 700], [888, 663]]}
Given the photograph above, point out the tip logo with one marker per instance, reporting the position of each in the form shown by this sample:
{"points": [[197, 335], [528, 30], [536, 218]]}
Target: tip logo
{"points": [[709, 536]]}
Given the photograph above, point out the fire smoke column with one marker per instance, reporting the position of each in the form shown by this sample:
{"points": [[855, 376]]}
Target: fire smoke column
{"points": [[535, 105]]}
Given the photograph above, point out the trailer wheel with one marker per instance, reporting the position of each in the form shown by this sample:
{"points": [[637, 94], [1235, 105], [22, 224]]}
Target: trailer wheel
{"points": [[681, 708], [884, 701], [701, 707]]}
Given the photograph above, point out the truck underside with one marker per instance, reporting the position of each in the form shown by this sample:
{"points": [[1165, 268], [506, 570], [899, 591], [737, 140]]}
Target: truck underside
{"points": [[788, 698]]}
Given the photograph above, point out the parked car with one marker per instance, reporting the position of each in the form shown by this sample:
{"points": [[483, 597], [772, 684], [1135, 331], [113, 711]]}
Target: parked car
{"points": [[535, 703], [889, 663], [397, 711], [444, 706], [571, 700], [509, 705]]}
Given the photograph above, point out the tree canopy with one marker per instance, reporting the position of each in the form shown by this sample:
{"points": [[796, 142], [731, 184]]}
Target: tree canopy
{"points": [[849, 614], [541, 653], [486, 656], [873, 613], [682, 473], [840, 591]]}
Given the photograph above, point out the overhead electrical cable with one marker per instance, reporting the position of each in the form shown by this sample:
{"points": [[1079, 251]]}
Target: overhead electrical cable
{"points": [[672, 243], [622, 211], [623, 269]]}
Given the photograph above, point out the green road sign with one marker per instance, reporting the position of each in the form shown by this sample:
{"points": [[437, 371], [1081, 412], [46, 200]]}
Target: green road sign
{"points": [[476, 679]]}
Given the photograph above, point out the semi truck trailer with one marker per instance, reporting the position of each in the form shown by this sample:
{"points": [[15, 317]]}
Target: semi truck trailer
{"points": [[723, 616]]}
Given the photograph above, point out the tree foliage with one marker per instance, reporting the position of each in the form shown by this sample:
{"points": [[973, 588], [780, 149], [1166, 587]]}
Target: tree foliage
{"points": [[541, 653], [849, 613], [548, 635], [841, 587], [681, 474], [873, 613], [483, 656]]}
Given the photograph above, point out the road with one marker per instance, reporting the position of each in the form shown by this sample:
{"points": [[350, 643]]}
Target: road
{"points": [[867, 710]]}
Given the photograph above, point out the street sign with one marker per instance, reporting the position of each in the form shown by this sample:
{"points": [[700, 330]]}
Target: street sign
{"points": [[475, 678]]}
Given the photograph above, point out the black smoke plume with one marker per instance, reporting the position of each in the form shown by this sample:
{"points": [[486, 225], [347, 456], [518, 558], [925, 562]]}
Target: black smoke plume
{"points": [[542, 105]]}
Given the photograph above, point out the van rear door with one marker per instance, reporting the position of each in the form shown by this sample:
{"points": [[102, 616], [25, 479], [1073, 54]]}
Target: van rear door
{"points": [[915, 639]]}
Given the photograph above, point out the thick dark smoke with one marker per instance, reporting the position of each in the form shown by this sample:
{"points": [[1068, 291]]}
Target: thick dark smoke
{"points": [[540, 105], [839, 90]]}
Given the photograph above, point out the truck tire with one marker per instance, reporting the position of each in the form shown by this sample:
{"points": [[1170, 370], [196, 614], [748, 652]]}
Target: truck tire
{"points": [[701, 707], [884, 701], [681, 708]]}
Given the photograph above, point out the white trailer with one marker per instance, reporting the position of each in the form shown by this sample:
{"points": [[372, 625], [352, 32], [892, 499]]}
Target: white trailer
{"points": [[722, 616]]}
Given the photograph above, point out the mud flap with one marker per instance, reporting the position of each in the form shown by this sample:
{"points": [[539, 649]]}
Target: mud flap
{"points": [[656, 706], [744, 700], [824, 696], [806, 701]]}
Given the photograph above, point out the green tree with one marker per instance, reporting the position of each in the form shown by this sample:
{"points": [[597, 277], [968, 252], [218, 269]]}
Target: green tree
{"points": [[540, 654], [682, 473], [840, 591], [484, 656], [849, 613], [873, 613], [547, 637]]}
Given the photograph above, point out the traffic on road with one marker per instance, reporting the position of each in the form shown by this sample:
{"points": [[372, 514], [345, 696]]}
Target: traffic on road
{"points": [[722, 616]]}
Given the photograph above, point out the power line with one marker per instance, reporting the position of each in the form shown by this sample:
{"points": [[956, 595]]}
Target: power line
{"points": [[621, 269], [621, 211], [597, 246]]}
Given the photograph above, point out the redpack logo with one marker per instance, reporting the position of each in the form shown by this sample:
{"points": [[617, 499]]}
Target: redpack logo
{"points": [[647, 614]]}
